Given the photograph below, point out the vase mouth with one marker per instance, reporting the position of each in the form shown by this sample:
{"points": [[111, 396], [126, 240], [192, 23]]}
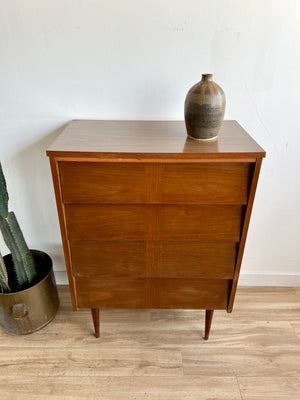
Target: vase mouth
{"points": [[207, 77]]}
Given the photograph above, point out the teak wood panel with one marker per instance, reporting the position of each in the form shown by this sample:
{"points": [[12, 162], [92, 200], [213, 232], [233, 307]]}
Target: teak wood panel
{"points": [[244, 233], [106, 222], [201, 222], [196, 259], [103, 182], [153, 293], [63, 229], [109, 183], [194, 294], [138, 140], [109, 259], [127, 293], [209, 183], [133, 222], [165, 259]]}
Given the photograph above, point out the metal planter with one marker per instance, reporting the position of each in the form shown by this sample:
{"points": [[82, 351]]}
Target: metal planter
{"points": [[31, 309]]}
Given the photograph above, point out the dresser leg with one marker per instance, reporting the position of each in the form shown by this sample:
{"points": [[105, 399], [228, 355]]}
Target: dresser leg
{"points": [[95, 314], [208, 318]]}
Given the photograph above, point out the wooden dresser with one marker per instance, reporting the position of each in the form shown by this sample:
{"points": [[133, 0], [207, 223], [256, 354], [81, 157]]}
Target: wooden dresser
{"points": [[150, 218]]}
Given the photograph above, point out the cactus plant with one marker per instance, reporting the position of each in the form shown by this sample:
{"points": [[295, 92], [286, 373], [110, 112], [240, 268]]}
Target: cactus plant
{"points": [[24, 269], [4, 286]]}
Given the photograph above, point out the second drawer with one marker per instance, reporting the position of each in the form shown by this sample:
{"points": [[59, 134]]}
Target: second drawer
{"points": [[154, 222]]}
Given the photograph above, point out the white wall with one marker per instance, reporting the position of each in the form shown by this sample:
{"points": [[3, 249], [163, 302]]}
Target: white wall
{"points": [[136, 59]]}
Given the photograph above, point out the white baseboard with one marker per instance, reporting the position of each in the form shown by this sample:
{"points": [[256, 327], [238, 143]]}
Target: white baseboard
{"points": [[269, 280], [245, 279], [61, 277]]}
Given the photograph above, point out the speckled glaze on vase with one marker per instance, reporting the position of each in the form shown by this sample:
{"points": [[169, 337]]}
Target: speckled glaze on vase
{"points": [[204, 109]]}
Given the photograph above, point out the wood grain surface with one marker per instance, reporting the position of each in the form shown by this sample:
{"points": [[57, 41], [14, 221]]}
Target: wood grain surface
{"points": [[110, 183], [108, 259], [193, 293], [196, 259], [117, 293], [252, 354], [244, 232], [103, 182], [154, 139], [152, 293], [212, 183], [169, 259], [201, 222], [155, 222]]}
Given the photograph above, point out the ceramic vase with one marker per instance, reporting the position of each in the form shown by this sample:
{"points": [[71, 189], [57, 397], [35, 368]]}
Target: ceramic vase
{"points": [[204, 109]]}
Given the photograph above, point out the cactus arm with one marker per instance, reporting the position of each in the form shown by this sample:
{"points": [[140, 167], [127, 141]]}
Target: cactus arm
{"points": [[23, 261], [4, 286], [15, 252], [3, 195], [27, 259]]}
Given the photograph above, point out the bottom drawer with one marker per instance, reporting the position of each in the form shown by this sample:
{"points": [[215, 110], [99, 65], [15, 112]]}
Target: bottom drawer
{"points": [[152, 293], [95, 293], [194, 293]]}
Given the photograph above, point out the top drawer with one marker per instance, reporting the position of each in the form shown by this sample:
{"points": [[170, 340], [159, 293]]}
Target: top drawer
{"points": [[117, 183], [209, 183], [105, 183]]}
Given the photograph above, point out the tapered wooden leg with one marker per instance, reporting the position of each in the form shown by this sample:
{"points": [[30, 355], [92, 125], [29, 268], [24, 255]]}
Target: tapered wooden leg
{"points": [[208, 318], [95, 314]]}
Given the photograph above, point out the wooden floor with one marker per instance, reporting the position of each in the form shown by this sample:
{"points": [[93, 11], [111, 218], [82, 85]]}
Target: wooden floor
{"points": [[252, 354]]}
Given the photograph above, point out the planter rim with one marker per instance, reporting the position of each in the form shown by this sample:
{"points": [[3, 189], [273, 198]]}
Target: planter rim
{"points": [[36, 283]]}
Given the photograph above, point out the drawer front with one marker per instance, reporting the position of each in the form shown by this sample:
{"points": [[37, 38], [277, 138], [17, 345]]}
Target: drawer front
{"points": [[152, 293], [212, 183], [197, 259], [106, 222], [95, 293], [86, 182], [139, 183], [194, 294], [169, 222], [155, 259], [201, 222], [109, 259]]}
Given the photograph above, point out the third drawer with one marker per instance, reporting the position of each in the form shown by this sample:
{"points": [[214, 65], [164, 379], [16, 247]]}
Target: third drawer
{"points": [[164, 259]]}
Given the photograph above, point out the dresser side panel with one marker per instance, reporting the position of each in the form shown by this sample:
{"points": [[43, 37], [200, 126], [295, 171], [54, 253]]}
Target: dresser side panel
{"points": [[244, 232], [63, 229]]}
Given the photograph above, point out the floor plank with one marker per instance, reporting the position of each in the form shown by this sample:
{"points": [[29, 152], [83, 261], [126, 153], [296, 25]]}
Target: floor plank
{"points": [[269, 388], [234, 361], [267, 304], [296, 328], [95, 360], [123, 388]]}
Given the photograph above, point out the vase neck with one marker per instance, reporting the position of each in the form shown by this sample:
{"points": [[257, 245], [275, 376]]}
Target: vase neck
{"points": [[207, 77]]}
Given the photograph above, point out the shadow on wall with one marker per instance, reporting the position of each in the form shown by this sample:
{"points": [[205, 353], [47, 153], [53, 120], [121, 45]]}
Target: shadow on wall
{"points": [[32, 197]]}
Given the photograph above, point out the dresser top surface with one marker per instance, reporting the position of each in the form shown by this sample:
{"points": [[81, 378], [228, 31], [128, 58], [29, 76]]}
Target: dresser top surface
{"points": [[158, 139]]}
